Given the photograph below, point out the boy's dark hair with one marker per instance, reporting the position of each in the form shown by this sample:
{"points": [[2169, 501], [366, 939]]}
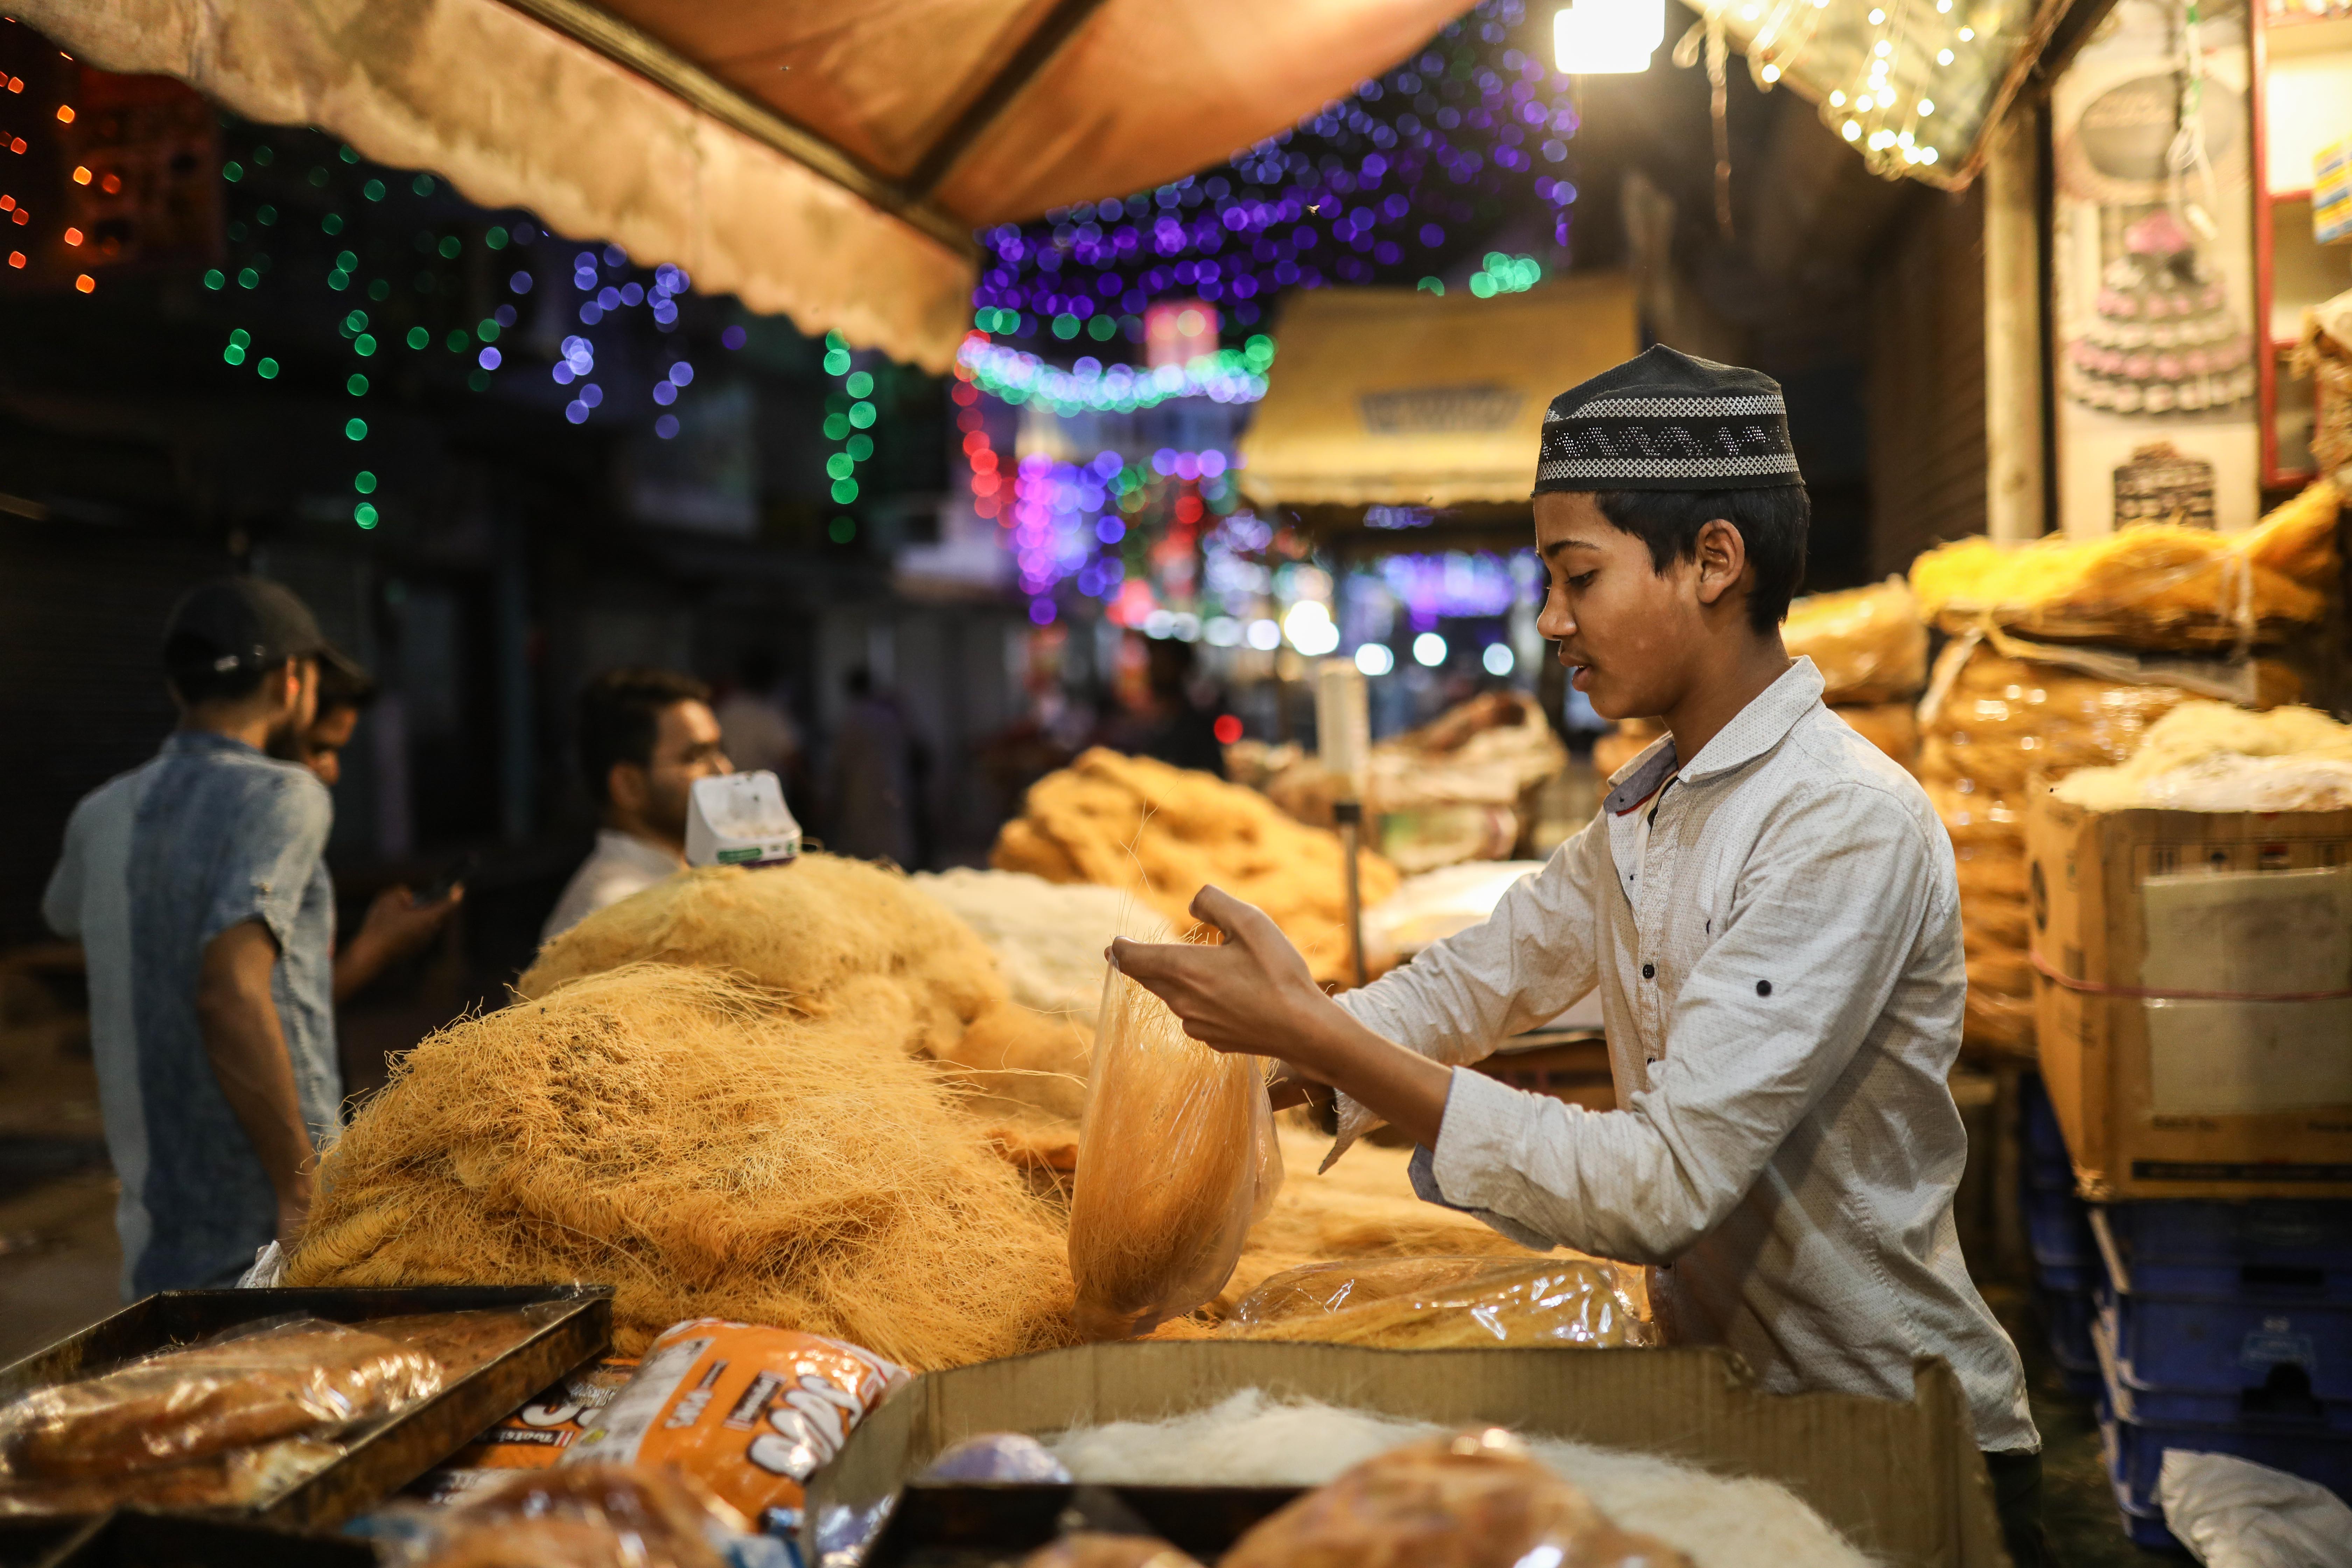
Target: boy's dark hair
{"points": [[1771, 524], [620, 714], [191, 665]]}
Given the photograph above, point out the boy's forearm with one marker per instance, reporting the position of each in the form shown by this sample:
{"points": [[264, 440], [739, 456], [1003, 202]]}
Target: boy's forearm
{"points": [[1405, 1089]]}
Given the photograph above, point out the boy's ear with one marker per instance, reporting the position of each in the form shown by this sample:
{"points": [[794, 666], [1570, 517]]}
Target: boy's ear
{"points": [[1722, 558]]}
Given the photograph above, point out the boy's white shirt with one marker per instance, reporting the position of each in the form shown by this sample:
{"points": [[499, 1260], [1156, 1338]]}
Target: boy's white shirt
{"points": [[1791, 1155]]}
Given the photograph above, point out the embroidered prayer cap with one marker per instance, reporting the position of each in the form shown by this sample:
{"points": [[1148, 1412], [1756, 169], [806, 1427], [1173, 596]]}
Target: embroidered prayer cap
{"points": [[1665, 421]]}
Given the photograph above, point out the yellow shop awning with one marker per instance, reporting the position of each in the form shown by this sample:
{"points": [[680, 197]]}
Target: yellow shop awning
{"points": [[827, 158], [1403, 398]]}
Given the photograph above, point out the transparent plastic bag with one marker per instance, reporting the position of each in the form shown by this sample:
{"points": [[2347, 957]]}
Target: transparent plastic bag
{"points": [[998, 1457], [284, 1378], [1476, 1500], [1869, 644], [583, 1516], [1451, 1303], [1177, 1159]]}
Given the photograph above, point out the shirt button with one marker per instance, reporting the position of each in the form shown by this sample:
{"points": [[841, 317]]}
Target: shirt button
{"points": [[1649, 972]]}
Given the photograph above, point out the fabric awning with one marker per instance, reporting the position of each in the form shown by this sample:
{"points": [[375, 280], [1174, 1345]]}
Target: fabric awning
{"points": [[1397, 398], [827, 158]]}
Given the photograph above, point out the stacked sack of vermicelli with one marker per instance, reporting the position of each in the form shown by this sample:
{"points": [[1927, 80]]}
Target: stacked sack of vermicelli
{"points": [[2003, 710]]}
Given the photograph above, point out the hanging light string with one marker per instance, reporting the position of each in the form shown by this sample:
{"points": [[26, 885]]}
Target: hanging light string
{"points": [[1377, 186]]}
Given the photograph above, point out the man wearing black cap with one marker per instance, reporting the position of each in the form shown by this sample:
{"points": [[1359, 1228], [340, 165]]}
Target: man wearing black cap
{"points": [[1767, 908], [197, 887]]}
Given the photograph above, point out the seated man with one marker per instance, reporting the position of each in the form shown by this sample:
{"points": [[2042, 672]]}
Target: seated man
{"points": [[645, 736]]}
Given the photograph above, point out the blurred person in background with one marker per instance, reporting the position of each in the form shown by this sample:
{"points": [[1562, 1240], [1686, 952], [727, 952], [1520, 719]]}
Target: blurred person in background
{"points": [[1171, 724], [873, 782], [754, 728], [645, 736], [197, 886], [397, 922]]}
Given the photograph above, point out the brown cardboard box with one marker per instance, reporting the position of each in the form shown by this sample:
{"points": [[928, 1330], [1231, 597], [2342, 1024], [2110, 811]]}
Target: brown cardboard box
{"points": [[1903, 1481], [2237, 1096]]}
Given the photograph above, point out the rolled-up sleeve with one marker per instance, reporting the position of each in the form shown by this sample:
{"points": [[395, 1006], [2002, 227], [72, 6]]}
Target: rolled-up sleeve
{"points": [[1528, 962], [1823, 916], [272, 846]]}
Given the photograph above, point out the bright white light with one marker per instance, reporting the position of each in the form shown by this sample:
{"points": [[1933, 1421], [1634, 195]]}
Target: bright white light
{"points": [[1187, 627], [1771, 73], [1605, 37], [1158, 624], [1881, 48], [1429, 649], [1498, 659], [1927, 156], [1222, 631], [1881, 139], [1850, 131], [1967, 34], [1876, 16], [1943, 56], [1837, 101], [1265, 635], [1308, 627], [1374, 658], [1862, 103]]}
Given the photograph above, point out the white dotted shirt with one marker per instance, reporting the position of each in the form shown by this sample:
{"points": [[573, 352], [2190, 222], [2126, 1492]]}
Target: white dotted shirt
{"points": [[1779, 959]]}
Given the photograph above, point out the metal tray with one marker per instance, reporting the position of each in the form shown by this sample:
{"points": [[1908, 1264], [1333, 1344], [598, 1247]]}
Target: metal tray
{"points": [[974, 1526], [380, 1458], [134, 1538]]}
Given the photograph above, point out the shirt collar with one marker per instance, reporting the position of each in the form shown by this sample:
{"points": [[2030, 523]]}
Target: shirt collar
{"points": [[1753, 731], [197, 740]]}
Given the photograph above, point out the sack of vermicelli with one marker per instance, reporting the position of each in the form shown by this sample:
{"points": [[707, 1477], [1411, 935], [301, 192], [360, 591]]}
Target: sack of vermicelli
{"points": [[1868, 643]]}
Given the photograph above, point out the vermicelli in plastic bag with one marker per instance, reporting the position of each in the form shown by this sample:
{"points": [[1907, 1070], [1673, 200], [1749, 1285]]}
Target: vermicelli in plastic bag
{"points": [[1176, 1159]]}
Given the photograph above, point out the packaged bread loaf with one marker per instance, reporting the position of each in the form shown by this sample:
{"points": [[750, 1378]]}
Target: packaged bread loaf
{"points": [[588, 1516], [1476, 1500], [290, 1378]]}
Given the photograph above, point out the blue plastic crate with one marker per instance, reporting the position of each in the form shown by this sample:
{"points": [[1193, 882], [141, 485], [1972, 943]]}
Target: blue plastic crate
{"points": [[2058, 1227], [2283, 1403], [2276, 1248], [2189, 1344], [2135, 1451], [2066, 1320]]}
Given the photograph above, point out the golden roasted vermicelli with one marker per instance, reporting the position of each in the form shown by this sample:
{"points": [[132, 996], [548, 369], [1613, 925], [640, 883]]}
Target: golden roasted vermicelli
{"points": [[708, 1152], [1176, 1159], [841, 937]]}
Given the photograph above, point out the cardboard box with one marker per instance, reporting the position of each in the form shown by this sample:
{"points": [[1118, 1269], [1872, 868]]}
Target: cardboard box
{"points": [[1901, 1479], [2177, 1065]]}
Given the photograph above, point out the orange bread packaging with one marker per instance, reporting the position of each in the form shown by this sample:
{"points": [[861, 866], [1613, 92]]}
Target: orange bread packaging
{"points": [[751, 1412]]}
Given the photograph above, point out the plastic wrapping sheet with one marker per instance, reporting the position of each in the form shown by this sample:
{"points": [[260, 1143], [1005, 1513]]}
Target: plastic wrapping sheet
{"points": [[297, 1381], [1869, 644], [584, 1516], [1478, 1499], [1449, 1303], [2151, 585], [998, 1457], [1177, 1159]]}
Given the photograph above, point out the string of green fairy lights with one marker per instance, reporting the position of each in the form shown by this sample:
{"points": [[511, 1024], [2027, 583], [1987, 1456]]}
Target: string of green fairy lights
{"points": [[849, 414], [320, 204]]}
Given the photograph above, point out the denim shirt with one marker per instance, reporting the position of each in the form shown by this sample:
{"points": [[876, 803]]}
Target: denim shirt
{"points": [[156, 864]]}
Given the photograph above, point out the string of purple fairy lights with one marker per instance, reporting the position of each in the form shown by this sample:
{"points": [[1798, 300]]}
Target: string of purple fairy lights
{"points": [[1371, 189]]}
